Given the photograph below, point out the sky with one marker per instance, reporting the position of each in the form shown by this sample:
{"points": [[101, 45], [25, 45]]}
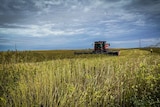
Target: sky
{"points": [[76, 24]]}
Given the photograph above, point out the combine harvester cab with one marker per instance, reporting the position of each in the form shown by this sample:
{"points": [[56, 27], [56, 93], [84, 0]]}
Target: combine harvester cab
{"points": [[101, 47]]}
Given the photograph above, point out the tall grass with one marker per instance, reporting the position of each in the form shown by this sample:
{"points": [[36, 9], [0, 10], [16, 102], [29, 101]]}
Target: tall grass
{"points": [[131, 79]]}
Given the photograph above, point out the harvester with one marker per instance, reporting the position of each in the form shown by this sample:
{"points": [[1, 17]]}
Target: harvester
{"points": [[100, 47]]}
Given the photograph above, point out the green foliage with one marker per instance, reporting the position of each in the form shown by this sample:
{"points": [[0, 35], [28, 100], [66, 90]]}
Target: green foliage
{"points": [[61, 79]]}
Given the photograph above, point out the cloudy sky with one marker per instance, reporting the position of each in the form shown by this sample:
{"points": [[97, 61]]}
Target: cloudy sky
{"points": [[75, 24]]}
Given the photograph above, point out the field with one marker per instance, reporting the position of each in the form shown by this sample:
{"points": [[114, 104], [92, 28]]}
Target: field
{"points": [[61, 79]]}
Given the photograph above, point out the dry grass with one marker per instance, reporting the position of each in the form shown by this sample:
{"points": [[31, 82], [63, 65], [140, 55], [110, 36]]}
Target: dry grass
{"points": [[131, 79]]}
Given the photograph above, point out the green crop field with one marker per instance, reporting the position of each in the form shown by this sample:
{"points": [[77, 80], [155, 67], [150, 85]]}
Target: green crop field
{"points": [[62, 79]]}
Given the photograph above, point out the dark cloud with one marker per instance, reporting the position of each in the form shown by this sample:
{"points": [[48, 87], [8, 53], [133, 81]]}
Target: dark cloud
{"points": [[150, 9], [13, 11], [110, 1], [16, 6], [144, 2], [31, 11], [34, 11], [13, 26]]}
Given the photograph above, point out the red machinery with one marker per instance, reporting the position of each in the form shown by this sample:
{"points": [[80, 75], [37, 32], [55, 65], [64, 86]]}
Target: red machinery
{"points": [[101, 47]]}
